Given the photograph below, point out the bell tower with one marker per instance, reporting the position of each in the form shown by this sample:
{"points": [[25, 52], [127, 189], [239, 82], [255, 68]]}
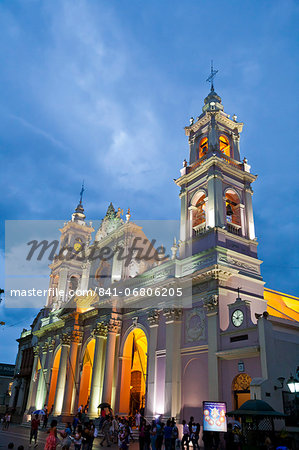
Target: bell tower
{"points": [[216, 193], [68, 265]]}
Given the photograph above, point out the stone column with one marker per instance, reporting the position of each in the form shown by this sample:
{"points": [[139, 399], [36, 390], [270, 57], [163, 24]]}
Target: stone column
{"points": [[62, 283], [215, 213], [113, 329], [100, 333], [211, 306], [41, 388], [249, 212], [76, 339], [51, 346], [31, 400], [184, 229], [242, 218], [59, 394], [85, 276], [153, 319], [172, 401]]}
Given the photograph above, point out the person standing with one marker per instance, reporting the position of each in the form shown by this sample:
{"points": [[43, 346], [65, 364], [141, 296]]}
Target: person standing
{"points": [[51, 441], [75, 423], [45, 419], [34, 430], [137, 419], [153, 434], [7, 421], [167, 435], [159, 440], [175, 434], [77, 438], [186, 435], [106, 431], [142, 434]]}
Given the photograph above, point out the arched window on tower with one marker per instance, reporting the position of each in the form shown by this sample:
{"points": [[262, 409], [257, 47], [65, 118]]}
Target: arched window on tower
{"points": [[224, 145], [203, 147], [232, 209], [199, 214]]}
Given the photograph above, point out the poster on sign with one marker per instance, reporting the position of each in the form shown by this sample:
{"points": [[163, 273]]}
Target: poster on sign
{"points": [[214, 416]]}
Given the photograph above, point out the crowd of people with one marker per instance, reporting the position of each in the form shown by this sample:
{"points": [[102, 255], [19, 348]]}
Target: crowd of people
{"points": [[121, 431]]}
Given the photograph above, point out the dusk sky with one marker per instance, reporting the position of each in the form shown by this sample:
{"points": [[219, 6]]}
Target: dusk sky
{"points": [[101, 91]]}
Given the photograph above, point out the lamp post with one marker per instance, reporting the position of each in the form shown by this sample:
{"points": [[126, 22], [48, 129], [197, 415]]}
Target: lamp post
{"points": [[293, 382]]}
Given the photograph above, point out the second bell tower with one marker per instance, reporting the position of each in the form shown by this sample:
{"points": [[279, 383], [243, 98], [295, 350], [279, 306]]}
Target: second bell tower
{"points": [[216, 193]]}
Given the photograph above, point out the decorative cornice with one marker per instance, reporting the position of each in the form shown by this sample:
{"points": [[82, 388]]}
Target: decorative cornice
{"points": [[65, 339], [210, 303], [76, 336], [172, 314], [51, 345], [45, 347], [100, 330], [113, 326], [36, 350], [153, 318]]}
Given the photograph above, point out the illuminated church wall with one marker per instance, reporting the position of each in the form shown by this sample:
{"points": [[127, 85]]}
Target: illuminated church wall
{"points": [[195, 384]]}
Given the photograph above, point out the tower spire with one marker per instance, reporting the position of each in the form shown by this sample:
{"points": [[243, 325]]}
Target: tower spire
{"points": [[79, 215], [81, 192], [211, 77]]}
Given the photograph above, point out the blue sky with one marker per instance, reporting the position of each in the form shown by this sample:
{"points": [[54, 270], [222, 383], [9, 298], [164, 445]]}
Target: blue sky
{"points": [[101, 91]]}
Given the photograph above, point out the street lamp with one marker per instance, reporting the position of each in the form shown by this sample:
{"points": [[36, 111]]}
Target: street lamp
{"points": [[293, 383]]}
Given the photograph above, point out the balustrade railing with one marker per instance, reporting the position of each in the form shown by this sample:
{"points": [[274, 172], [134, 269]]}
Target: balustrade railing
{"points": [[234, 228]]}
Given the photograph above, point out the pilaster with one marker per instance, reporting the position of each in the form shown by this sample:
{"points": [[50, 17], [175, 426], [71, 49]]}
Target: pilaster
{"points": [[100, 334], [172, 401], [75, 340], [211, 306], [32, 388], [113, 328], [153, 320], [61, 378]]}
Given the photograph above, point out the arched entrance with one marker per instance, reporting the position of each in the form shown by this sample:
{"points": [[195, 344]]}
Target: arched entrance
{"points": [[54, 373], [241, 389], [134, 371], [86, 374]]}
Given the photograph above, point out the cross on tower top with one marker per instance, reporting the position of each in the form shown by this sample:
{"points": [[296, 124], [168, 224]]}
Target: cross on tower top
{"points": [[211, 77], [81, 192]]}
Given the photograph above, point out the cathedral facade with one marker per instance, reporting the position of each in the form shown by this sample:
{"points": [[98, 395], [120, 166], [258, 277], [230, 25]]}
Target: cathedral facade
{"points": [[108, 335]]}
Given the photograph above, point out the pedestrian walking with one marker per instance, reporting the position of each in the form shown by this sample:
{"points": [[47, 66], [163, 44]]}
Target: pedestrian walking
{"points": [[34, 430], [7, 420]]}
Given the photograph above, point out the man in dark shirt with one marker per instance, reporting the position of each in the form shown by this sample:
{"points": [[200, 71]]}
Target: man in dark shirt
{"points": [[34, 430]]}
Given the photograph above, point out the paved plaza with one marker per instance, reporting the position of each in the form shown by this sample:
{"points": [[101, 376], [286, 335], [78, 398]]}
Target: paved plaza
{"points": [[19, 435]]}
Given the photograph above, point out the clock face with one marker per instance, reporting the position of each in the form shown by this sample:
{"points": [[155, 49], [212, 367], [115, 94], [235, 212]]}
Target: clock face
{"points": [[237, 317], [78, 244]]}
